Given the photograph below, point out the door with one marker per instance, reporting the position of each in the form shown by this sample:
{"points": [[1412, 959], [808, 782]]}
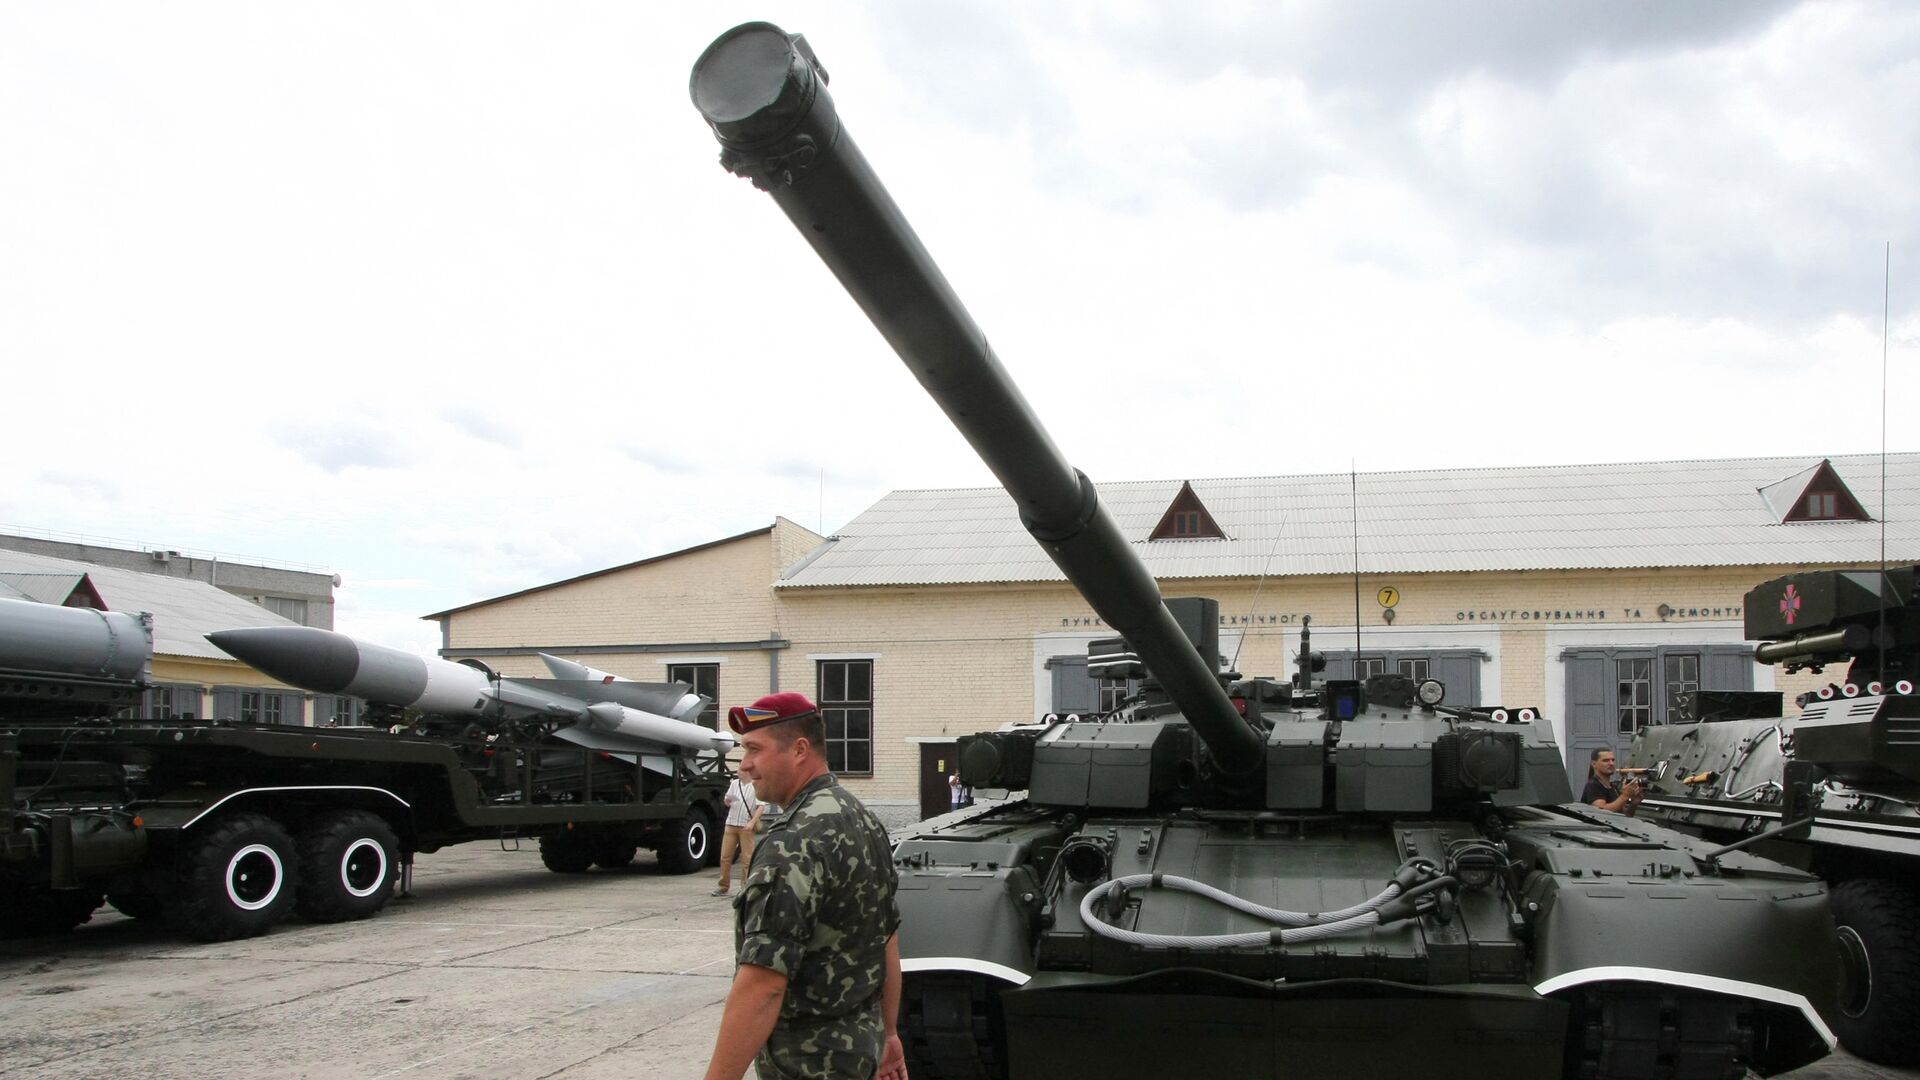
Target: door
{"points": [[937, 762]]}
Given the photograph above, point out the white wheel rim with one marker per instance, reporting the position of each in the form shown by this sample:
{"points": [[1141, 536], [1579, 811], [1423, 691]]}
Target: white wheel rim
{"points": [[363, 846], [237, 876], [697, 841]]}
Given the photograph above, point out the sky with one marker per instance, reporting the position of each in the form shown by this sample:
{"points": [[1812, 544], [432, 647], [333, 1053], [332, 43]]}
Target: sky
{"points": [[454, 299]]}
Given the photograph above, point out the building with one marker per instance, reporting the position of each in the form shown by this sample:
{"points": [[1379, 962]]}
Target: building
{"points": [[1597, 594], [301, 596], [191, 678]]}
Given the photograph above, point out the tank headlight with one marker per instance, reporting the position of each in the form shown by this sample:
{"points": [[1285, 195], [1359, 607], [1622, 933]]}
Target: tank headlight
{"points": [[1431, 691], [1499, 716], [1903, 687]]}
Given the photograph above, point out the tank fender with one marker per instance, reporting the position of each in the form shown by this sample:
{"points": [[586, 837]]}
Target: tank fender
{"points": [[976, 921], [1765, 940]]}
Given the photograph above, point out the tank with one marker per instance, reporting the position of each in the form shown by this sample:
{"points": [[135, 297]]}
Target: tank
{"points": [[1724, 772], [1271, 876]]}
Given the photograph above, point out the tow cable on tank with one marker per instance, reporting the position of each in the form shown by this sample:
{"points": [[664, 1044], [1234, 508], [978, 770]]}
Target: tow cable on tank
{"points": [[1417, 888]]}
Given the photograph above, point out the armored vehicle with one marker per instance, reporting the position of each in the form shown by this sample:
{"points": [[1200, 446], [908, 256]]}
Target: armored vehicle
{"points": [[1269, 877], [224, 828], [1722, 772]]}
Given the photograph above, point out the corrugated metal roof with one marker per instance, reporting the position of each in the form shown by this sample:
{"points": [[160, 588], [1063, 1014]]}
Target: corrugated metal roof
{"points": [[1636, 514], [41, 587], [183, 611]]}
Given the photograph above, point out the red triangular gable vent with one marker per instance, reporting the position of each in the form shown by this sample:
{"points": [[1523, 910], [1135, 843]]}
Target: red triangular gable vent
{"points": [[1825, 498], [1187, 519]]}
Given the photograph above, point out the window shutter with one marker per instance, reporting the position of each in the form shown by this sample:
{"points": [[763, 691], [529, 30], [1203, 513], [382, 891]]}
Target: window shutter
{"points": [[1074, 691], [1339, 665], [226, 704], [1590, 718], [1459, 669], [1726, 667]]}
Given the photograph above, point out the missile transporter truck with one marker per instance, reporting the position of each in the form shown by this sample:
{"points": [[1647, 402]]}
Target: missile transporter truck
{"points": [[1721, 772], [224, 828], [1262, 878]]}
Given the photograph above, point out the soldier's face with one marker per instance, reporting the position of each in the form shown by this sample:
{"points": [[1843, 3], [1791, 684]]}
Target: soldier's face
{"points": [[1604, 764], [770, 763]]}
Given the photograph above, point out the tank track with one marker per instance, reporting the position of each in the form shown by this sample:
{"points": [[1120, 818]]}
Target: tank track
{"points": [[1629, 1034], [950, 1031]]}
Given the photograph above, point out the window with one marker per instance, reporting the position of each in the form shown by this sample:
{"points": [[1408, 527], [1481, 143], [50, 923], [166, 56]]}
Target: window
{"points": [[286, 607], [345, 711], [1681, 673], [250, 706], [705, 680], [1186, 518], [1635, 701], [1115, 691], [1368, 666], [1823, 505], [1416, 668], [846, 703]]}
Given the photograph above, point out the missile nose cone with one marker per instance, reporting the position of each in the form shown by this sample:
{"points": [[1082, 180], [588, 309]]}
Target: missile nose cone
{"points": [[303, 656]]}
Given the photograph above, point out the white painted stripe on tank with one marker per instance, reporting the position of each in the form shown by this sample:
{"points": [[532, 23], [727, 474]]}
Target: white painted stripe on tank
{"points": [[964, 963], [1711, 983]]}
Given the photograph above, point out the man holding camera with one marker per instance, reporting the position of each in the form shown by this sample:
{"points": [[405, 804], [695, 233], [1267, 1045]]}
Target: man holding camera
{"points": [[1606, 789]]}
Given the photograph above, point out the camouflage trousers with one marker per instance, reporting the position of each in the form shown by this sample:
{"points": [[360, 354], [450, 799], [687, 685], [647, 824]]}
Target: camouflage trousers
{"points": [[841, 1048]]}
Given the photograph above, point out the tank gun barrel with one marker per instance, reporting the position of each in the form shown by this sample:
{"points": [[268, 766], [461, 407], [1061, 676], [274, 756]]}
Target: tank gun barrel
{"points": [[765, 97]]}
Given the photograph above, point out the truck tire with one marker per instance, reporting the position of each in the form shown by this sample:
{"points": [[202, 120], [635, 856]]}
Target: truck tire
{"points": [[1878, 1012], [684, 845], [348, 864], [235, 879], [565, 853], [36, 911], [613, 853]]}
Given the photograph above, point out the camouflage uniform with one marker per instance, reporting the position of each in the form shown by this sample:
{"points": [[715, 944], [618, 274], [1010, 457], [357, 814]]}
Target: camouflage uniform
{"points": [[818, 907]]}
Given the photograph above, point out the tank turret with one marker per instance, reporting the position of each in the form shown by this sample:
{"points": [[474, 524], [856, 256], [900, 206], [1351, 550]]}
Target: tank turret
{"points": [[1260, 877]]}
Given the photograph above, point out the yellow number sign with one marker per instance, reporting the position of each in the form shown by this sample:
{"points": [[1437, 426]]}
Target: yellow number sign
{"points": [[1389, 596]]}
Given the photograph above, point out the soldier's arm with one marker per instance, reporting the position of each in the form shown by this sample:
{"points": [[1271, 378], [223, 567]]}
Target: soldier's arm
{"points": [[893, 1057], [753, 1006]]}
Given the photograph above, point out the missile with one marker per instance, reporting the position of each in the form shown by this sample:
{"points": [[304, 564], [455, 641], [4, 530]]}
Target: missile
{"points": [[609, 718], [567, 669], [604, 712], [75, 641], [327, 662]]}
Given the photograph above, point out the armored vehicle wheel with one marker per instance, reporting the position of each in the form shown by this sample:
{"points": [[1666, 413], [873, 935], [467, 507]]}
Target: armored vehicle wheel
{"points": [[565, 853], [683, 847], [348, 863], [612, 854], [35, 911], [138, 904], [236, 879], [1878, 1014]]}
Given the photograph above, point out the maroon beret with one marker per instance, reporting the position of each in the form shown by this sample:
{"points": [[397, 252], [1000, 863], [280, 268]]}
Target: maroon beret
{"points": [[770, 710]]}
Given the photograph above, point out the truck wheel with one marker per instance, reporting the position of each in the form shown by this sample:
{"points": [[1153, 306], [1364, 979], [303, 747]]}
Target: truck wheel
{"points": [[612, 854], [684, 845], [35, 911], [348, 863], [1878, 1012], [235, 879], [564, 853]]}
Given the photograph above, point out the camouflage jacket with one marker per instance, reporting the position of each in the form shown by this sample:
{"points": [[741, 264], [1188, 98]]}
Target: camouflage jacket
{"points": [[818, 907]]}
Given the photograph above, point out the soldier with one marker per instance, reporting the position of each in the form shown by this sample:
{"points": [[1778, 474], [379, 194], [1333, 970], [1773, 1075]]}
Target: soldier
{"points": [[817, 989]]}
